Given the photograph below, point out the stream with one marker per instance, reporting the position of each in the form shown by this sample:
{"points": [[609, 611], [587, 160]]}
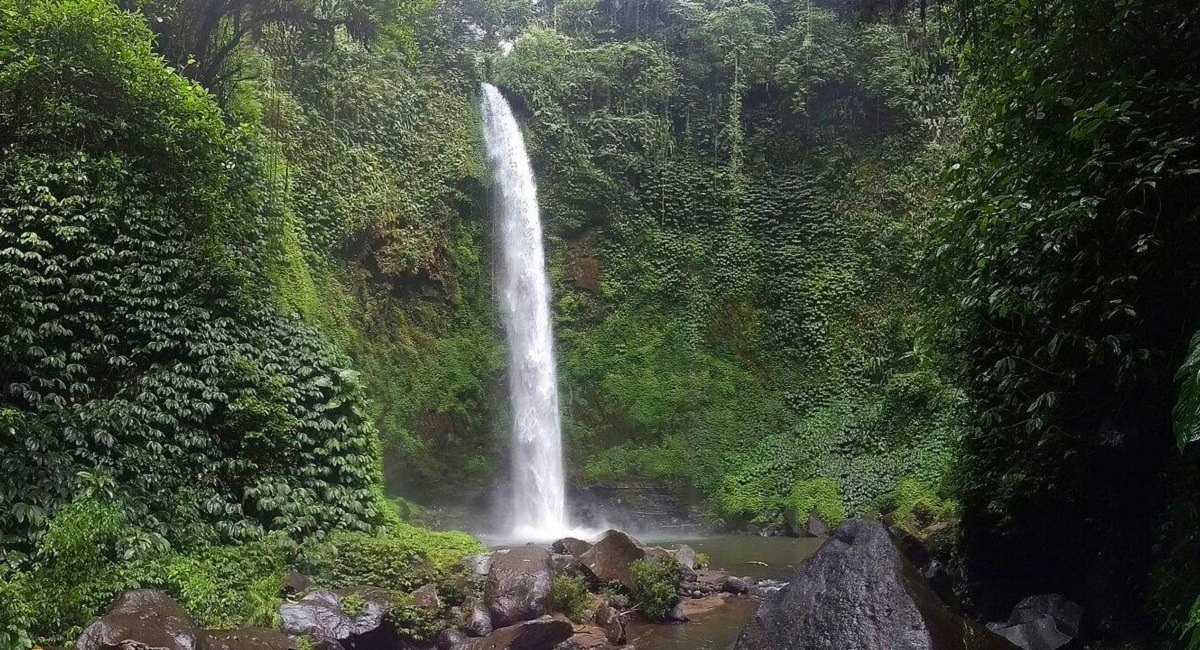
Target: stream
{"points": [[741, 555]]}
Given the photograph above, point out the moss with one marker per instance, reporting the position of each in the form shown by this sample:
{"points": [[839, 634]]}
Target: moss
{"points": [[820, 496]]}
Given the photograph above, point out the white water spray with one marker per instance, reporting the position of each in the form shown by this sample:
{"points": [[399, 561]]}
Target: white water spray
{"points": [[539, 502]]}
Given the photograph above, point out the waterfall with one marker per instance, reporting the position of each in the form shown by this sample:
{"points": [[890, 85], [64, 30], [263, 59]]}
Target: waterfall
{"points": [[539, 502]]}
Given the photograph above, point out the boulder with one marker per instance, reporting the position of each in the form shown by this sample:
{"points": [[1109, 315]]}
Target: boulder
{"points": [[686, 557], [478, 621], [735, 585], [610, 558], [477, 566], [143, 618], [571, 546], [539, 634], [518, 585], [562, 564], [321, 614], [450, 638], [425, 597], [1042, 622], [859, 591], [609, 620], [678, 613]]}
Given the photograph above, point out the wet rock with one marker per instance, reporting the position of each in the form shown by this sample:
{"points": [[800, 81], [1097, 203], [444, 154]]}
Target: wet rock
{"points": [[254, 639], [143, 618], [860, 591], [478, 620], [678, 613], [426, 597], [735, 585], [539, 634], [587, 638], [610, 558], [477, 566], [1042, 622], [609, 620], [322, 614], [562, 564], [450, 638], [571, 546], [518, 585]]}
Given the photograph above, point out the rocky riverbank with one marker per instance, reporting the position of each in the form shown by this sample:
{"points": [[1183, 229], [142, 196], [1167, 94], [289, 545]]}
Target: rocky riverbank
{"points": [[866, 587]]}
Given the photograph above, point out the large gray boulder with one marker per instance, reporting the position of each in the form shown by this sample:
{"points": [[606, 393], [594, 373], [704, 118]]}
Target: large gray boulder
{"points": [[540, 634], [143, 618], [518, 585], [858, 591], [610, 558]]}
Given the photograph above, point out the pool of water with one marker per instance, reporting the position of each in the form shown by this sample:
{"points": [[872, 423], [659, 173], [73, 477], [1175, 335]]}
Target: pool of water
{"points": [[740, 555]]}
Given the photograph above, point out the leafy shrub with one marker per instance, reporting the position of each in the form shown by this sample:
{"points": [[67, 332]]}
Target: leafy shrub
{"points": [[16, 613], [132, 229], [415, 623], [569, 595], [221, 586], [912, 498], [401, 558], [655, 581], [820, 496]]}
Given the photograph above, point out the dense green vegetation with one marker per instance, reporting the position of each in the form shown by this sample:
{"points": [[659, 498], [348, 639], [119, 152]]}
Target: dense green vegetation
{"points": [[934, 260]]}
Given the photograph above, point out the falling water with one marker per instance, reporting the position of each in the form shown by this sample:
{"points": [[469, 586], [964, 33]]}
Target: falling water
{"points": [[538, 508]]}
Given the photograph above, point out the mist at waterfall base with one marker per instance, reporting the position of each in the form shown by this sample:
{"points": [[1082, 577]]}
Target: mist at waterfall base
{"points": [[537, 508]]}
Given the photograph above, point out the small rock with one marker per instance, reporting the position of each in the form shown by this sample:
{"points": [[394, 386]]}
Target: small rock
{"points": [[677, 614]]}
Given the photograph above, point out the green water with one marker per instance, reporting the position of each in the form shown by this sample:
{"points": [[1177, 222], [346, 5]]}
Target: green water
{"points": [[740, 555]]}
